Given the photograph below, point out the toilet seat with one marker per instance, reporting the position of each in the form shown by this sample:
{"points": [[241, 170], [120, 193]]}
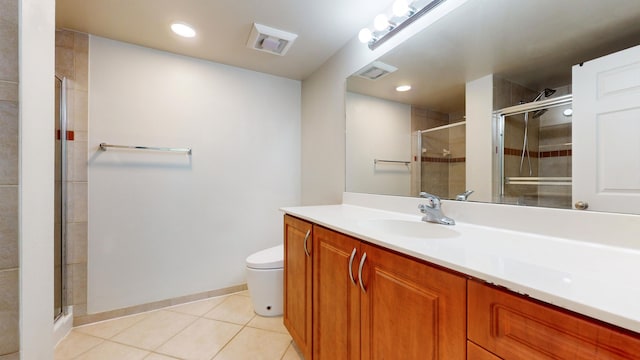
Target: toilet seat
{"points": [[271, 258]]}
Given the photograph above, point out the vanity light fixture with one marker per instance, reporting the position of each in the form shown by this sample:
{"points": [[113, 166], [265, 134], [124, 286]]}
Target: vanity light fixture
{"points": [[403, 88], [183, 30], [401, 14]]}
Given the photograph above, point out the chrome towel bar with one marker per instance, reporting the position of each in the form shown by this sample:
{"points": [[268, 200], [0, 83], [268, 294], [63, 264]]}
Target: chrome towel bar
{"points": [[105, 146], [376, 161]]}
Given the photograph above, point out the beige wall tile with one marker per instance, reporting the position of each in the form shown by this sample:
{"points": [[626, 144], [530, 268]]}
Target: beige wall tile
{"points": [[81, 70], [77, 202], [77, 243], [8, 143], [79, 283], [65, 62], [8, 228], [77, 160], [9, 316], [65, 39], [8, 91], [80, 110], [9, 40], [14, 356]]}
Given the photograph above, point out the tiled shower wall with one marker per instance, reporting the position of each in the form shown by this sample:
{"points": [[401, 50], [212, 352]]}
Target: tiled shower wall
{"points": [[72, 53], [9, 179]]}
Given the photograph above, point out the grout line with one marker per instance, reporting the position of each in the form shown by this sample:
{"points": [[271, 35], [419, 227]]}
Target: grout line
{"points": [[232, 338], [89, 349]]}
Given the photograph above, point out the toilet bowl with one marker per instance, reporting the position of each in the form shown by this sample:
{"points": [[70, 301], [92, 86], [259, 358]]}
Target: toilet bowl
{"points": [[265, 280]]}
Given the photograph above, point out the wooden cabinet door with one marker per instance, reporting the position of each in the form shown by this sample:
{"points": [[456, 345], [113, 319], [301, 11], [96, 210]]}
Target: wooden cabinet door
{"points": [[411, 310], [514, 327], [336, 300], [475, 352], [298, 282]]}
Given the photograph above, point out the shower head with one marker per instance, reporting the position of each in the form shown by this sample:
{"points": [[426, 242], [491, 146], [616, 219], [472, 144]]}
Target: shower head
{"points": [[546, 93]]}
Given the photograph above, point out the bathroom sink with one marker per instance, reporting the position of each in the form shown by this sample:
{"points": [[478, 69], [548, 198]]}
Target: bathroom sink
{"points": [[417, 229]]}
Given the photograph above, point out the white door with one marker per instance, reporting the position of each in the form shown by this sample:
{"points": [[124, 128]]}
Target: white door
{"points": [[606, 132]]}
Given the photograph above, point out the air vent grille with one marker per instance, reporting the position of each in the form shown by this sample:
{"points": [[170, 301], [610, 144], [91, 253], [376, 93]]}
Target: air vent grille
{"points": [[267, 39], [376, 70]]}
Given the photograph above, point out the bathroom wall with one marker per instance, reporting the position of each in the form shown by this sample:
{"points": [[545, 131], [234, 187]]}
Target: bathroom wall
{"points": [[165, 225], [9, 181], [377, 129], [72, 55]]}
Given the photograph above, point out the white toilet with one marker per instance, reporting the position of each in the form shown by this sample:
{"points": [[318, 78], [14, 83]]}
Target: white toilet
{"points": [[265, 281]]}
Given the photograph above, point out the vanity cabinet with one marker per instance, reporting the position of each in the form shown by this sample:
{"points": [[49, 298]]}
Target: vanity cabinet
{"points": [[371, 303], [514, 327], [298, 282]]}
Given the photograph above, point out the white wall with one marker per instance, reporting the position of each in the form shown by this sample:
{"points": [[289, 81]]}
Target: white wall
{"points": [[480, 140], [164, 225], [36, 70], [323, 111], [377, 129]]}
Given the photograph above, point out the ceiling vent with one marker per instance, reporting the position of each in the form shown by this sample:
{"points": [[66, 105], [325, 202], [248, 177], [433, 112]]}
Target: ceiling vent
{"points": [[270, 40], [376, 70]]}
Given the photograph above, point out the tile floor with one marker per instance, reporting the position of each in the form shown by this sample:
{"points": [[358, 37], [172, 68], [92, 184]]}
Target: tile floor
{"points": [[220, 328]]}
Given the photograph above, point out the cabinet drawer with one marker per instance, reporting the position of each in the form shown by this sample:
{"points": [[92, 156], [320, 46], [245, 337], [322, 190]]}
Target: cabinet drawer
{"points": [[514, 327]]}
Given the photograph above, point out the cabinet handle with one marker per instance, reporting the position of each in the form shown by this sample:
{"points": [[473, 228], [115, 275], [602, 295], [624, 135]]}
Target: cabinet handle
{"points": [[364, 257], [353, 255], [306, 237]]}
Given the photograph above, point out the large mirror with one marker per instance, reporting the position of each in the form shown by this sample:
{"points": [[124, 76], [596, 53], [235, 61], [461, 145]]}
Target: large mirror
{"points": [[507, 62]]}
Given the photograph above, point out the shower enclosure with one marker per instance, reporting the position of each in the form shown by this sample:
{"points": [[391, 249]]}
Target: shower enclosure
{"points": [[59, 305], [534, 156], [440, 155]]}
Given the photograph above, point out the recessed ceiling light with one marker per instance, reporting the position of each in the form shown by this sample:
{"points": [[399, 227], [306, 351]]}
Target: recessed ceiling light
{"points": [[183, 30], [403, 88]]}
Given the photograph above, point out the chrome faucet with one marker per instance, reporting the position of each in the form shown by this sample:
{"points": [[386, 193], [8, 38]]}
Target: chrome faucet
{"points": [[432, 210], [464, 196]]}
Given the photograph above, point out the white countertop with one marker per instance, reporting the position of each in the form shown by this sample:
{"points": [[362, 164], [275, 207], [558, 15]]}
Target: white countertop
{"points": [[593, 279]]}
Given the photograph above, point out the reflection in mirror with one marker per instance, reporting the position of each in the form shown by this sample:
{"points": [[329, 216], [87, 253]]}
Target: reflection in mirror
{"points": [[469, 71], [535, 151]]}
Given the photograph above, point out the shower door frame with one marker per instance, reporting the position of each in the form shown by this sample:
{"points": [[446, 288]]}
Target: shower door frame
{"points": [[499, 119], [63, 197]]}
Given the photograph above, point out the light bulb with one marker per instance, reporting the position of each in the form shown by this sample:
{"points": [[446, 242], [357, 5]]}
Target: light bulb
{"points": [[365, 35], [403, 88], [400, 8], [183, 30], [380, 22]]}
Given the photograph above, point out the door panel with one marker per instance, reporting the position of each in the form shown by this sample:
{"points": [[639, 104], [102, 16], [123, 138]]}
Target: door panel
{"points": [[606, 124]]}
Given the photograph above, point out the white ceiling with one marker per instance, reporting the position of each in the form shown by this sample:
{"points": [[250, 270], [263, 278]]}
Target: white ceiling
{"points": [[530, 42], [223, 27]]}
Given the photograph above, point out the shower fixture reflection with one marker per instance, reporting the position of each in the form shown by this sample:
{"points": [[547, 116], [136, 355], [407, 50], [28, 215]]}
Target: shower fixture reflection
{"points": [[525, 146]]}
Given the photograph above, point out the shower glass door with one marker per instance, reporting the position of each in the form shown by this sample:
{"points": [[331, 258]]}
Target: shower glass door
{"points": [[442, 160], [535, 156], [59, 199]]}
